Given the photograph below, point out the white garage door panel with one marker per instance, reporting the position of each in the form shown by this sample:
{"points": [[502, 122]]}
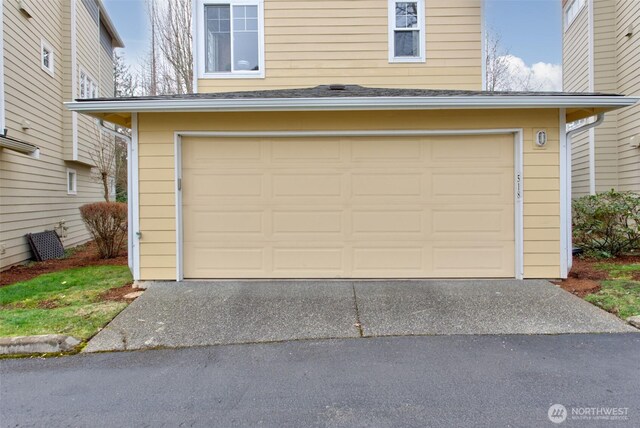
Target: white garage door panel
{"points": [[348, 207]]}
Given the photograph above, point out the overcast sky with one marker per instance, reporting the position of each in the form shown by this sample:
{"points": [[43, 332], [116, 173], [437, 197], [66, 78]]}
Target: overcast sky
{"points": [[531, 30]]}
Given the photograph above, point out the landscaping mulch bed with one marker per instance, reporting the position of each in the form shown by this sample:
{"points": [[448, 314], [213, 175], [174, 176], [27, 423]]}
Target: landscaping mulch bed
{"points": [[83, 255], [584, 277]]}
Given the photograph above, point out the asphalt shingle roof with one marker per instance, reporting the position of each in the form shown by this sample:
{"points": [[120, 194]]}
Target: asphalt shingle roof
{"points": [[345, 91]]}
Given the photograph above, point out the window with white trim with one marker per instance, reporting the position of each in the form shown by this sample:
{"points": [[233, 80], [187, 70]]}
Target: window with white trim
{"points": [[572, 11], [406, 31], [231, 38], [72, 182], [88, 86], [112, 187], [47, 57]]}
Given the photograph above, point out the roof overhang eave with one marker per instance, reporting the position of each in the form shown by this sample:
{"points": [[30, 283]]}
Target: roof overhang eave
{"points": [[354, 103], [19, 146]]}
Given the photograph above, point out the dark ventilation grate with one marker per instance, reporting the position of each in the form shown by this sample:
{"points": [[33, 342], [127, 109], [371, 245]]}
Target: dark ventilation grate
{"points": [[45, 245]]}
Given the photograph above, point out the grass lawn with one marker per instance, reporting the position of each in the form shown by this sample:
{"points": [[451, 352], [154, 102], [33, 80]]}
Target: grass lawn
{"points": [[620, 293], [66, 302]]}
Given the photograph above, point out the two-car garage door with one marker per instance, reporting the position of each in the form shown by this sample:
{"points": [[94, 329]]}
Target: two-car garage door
{"points": [[348, 207]]}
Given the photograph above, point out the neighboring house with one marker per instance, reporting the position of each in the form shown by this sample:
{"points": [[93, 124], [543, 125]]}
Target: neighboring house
{"points": [[299, 176], [49, 54], [601, 53]]}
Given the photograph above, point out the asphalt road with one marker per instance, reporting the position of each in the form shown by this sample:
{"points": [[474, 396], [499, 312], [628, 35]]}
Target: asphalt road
{"points": [[379, 382]]}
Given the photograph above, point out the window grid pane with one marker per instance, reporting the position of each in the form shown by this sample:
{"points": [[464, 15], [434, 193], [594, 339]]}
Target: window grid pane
{"points": [[245, 38], [407, 43], [406, 15], [218, 38]]}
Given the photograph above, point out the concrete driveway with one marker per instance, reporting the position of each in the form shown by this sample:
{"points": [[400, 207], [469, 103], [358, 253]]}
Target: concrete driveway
{"points": [[201, 313]]}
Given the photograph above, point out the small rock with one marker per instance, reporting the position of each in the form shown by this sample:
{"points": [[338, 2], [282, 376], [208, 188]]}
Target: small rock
{"points": [[140, 284], [133, 295], [634, 321]]}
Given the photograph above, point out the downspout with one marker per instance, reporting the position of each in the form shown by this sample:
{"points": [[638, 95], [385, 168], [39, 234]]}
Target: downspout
{"points": [[568, 216], [598, 121]]}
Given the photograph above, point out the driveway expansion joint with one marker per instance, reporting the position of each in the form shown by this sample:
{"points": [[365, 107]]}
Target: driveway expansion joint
{"points": [[358, 324]]}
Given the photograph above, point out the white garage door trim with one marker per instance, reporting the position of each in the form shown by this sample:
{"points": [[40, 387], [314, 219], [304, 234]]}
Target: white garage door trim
{"points": [[518, 166]]}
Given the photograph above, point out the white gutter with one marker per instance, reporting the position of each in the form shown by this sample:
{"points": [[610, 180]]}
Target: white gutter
{"points": [[20, 146], [349, 103]]}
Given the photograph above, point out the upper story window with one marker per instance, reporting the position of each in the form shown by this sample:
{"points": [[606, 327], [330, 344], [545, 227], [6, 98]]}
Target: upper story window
{"points": [[572, 10], [230, 38], [406, 31], [47, 57], [88, 86]]}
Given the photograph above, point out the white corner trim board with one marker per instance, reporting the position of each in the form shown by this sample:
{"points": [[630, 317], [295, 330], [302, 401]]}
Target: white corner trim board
{"points": [[565, 198], [134, 200], [74, 78], [2, 121], [518, 173]]}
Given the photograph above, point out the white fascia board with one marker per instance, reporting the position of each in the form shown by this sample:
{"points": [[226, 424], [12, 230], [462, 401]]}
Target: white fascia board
{"points": [[355, 103]]}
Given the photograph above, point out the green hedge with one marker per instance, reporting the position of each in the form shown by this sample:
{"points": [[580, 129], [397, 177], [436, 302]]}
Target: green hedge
{"points": [[607, 224]]}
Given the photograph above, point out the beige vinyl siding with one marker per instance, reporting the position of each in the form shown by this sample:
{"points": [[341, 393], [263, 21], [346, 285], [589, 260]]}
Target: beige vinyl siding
{"points": [[156, 175], [314, 42], [604, 74], [88, 59], [615, 70], [580, 164], [628, 52], [575, 78], [33, 192]]}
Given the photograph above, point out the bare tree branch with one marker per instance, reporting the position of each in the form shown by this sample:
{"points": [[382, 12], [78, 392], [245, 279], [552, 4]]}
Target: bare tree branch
{"points": [[103, 156], [169, 69], [502, 72]]}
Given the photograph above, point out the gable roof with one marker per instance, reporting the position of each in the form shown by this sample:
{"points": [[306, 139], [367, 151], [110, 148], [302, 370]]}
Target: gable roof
{"points": [[349, 97]]}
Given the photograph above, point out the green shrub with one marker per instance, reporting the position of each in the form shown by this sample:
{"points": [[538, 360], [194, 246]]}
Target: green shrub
{"points": [[607, 224], [107, 223]]}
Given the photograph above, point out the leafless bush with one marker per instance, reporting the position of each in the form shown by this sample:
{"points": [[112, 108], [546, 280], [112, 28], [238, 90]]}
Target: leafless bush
{"points": [[107, 223]]}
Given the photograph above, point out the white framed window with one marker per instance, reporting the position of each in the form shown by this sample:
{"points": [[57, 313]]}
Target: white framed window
{"points": [[112, 187], [72, 182], [406, 31], [47, 57], [88, 86], [571, 12], [230, 38]]}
